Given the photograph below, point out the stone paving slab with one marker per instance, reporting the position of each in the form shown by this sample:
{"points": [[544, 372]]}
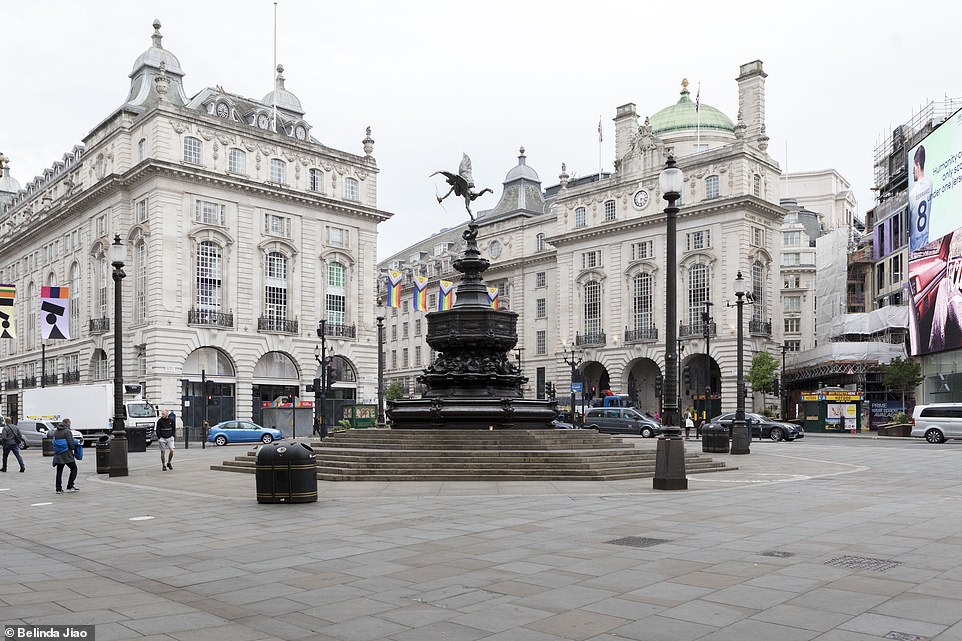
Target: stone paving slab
{"points": [[745, 554]]}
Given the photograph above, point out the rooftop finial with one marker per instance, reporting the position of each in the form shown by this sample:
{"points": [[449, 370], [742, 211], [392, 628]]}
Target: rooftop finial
{"points": [[3, 164], [157, 37], [684, 84], [279, 82], [521, 157]]}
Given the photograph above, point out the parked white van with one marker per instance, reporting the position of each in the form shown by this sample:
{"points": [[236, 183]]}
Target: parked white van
{"points": [[937, 422]]}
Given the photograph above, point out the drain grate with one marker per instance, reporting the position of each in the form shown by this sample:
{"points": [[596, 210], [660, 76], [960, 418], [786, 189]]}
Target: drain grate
{"points": [[637, 541], [863, 563], [904, 636], [778, 554]]}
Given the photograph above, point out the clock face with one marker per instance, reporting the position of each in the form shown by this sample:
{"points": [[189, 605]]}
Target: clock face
{"points": [[263, 121], [223, 110], [641, 199], [300, 132], [494, 249]]}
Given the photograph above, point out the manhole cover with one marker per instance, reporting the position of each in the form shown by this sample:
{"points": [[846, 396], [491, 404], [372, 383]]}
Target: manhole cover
{"points": [[778, 554], [637, 541], [863, 563]]}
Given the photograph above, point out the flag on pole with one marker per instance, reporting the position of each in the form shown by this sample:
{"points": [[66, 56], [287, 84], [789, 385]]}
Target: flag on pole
{"points": [[599, 129], [493, 297], [698, 98], [446, 297], [54, 322], [7, 295], [421, 293], [394, 282]]}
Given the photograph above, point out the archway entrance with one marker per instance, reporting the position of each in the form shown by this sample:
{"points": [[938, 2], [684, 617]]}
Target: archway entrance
{"points": [[641, 385], [210, 367], [275, 380]]}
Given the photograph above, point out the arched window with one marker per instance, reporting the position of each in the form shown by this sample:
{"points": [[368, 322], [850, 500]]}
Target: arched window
{"points": [[540, 242], [609, 210], [711, 187], [31, 333], [642, 310], [102, 278], [580, 217], [698, 293], [101, 373], [316, 180], [208, 271], [140, 282], [592, 307], [192, 150], [336, 293], [74, 299], [237, 161], [351, 191], [278, 171], [142, 149], [275, 286], [758, 291]]}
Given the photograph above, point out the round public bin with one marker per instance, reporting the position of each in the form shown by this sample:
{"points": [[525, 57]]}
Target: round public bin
{"points": [[46, 443], [103, 454], [286, 472], [714, 439]]}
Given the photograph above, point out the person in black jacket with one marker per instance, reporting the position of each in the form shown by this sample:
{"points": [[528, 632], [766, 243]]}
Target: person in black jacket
{"points": [[65, 458], [165, 440], [12, 441]]}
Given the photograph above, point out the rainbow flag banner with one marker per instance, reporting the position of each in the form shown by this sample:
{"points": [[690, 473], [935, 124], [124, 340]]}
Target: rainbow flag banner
{"points": [[493, 297], [421, 293], [446, 296], [394, 282], [7, 327]]}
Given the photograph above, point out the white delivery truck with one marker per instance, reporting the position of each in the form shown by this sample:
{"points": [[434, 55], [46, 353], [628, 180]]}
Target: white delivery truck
{"points": [[89, 407]]}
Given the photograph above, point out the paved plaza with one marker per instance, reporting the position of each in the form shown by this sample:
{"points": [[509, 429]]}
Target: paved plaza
{"points": [[834, 539]]}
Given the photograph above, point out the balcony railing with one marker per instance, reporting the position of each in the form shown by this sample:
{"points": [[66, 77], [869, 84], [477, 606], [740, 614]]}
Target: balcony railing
{"points": [[99, 325], [643, 335], [210, 317], [338, 330], [13, 384], [592, 338], [696, 329], [71, 377], [281, 325], [49, 379], [760, 327], [29, 381]]}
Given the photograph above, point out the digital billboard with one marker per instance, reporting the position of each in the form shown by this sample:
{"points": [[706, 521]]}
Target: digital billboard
{"points": [[935, 240]]}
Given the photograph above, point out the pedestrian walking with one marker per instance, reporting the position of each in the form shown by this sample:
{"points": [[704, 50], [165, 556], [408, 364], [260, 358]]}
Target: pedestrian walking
{"points": [[165, 440], [63, 456], [689, 423], [12, 442]]}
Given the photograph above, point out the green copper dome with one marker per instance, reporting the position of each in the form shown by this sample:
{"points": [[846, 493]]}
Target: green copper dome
{"points": [[682, 116]]}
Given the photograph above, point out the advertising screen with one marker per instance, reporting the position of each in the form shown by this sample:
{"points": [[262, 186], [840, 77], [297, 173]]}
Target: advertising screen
{"points": [[935, 241]]}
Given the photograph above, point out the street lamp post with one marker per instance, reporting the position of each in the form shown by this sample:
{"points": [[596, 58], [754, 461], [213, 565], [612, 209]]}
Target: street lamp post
{"points": [[381, 314], [706, 331], [573, 359], [741, 437], [117, 254], [320, 384], [681, 348], [783, 393]]}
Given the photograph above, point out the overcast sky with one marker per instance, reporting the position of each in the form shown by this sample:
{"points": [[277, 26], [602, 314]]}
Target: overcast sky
{"points": [[433, 79]]}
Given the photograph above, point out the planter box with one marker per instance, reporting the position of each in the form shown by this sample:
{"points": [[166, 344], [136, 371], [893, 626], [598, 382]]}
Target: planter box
{"points": [[895, 429]]}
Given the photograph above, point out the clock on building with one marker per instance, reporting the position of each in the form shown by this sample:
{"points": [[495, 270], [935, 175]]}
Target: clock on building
{"points": [[223, 110], [494, 249], [300, 132], [263, 121], [641, 199]]}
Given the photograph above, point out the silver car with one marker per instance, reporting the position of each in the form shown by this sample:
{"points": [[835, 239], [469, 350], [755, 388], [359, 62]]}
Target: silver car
{"points": [[937, 422], [34, 431]]}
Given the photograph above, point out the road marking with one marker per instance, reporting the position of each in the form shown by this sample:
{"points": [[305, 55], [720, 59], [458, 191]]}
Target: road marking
{"points": [[39, 504], [140, 518]]}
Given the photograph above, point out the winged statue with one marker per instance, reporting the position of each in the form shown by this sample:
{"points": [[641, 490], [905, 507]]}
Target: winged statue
{"points": [[462, 184]]}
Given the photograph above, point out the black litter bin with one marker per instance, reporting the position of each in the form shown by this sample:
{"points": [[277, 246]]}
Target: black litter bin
{"points": [[714, 439], [103, 454], [286, 472], [136, 439], [46, 444]]}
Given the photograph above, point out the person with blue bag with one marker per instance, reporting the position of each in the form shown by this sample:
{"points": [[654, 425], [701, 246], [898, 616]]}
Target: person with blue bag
{"points": [[64, 455]]}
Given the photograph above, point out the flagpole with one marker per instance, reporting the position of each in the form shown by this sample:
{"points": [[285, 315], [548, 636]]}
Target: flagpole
{"points": [[273, 77], [698, 118], [599, 148]]}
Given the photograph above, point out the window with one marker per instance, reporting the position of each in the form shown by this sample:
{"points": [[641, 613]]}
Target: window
{"points": [[275, 286], [698, 240], [394, 332], [540, 243], [642, 304], [142, 360], [315, 181], [75, 299], [140, 282], [71, 363], [336, 293], [758, 291], [142, 150], [711, 187], [101, 230], [140, 209], [209, 213], [757, 185], [699, 292], [237, 161], [192, 150], [440, 248], [541, 308], [32, 316], [793, 346], [417, 326], [337, 237], [609, 210], [591, 259], [791, 259], [541, 342], [792, 281], [404, 329], [793, 325], [100, 367], [103, 278], [580, 220], [393, 359], [642, 249], [792, 238], [540, 279], [792, 303], [351, 191], [404, 357], [278, 172], [758, 237], [895, 269], [275, 225], [209, 261], [417, 355], [432, 302], [592, 307]]}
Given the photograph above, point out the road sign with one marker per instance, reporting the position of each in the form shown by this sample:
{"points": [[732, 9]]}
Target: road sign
{"points": [[576, 388]]}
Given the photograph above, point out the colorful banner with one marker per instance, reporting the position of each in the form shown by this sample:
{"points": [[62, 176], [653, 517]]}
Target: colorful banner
{"points": [[446, 295], [7, 295], [54, 321], [394, 283], [493, 297], [421, 293]]}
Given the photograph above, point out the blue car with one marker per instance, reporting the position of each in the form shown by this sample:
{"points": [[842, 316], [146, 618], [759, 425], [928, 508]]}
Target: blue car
{"points": [[242, 432]]}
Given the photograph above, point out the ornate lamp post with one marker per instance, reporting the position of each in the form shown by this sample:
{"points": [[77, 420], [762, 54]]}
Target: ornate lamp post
{"points": [[573, 359], [706, 320], [320, 384], [783, 392], [117, 254], [380, 313], [681, 348], [741, 437]]}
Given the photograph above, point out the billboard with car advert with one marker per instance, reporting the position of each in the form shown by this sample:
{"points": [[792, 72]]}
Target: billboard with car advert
{"points": [[935, 240]]}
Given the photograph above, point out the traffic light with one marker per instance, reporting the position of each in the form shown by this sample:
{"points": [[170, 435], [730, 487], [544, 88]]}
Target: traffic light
{"points": [[331, 376], [209, 391], [776, 388], [594, 391], [659, 386]]}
